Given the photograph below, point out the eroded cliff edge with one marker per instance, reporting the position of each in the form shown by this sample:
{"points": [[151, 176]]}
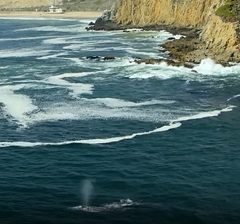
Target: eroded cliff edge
{"points": [[214, 37]]}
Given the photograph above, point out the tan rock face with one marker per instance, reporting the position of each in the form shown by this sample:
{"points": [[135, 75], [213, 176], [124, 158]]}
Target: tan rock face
{"points": [[180, 12], [220, 38]]}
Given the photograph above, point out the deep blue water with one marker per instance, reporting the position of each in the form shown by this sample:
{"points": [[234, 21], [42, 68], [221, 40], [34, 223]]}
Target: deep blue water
{"points": [[129, 143]]}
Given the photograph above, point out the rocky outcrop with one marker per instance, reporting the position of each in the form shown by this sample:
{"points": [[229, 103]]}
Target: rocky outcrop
{"points": [[105, 22], [216, 38]]}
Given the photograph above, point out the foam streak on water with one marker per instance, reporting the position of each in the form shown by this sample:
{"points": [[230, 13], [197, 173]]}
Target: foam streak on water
{"points": [[18, 106], [174, 124]]}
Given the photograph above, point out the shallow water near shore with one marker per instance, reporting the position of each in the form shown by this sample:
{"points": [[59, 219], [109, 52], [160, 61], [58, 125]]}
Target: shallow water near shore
{"points": [[110, 141]]}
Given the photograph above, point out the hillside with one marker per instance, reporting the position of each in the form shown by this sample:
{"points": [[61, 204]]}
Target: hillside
{"points": [[69, 5]]}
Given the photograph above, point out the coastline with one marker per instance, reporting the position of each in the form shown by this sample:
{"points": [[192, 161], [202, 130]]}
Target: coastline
{"points": [[67, 15]]}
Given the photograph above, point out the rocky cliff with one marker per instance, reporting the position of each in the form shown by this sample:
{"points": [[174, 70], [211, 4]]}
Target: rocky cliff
{"points": [[192, 13], [218, 39]]}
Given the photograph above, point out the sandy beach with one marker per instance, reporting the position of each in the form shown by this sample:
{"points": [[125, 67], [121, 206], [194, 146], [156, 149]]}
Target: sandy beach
{"points": [[67, 15]]}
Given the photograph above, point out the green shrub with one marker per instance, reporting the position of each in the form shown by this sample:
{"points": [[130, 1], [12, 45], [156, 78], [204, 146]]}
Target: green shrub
{"points": [[226, 10], [229, 11]]}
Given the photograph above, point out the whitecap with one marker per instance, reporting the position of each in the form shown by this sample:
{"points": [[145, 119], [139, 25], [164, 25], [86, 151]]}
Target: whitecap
{"points": [[233, 97], [161, 71], [18, 106], [73, 47], [118, 103], [23, 52], [61, 40], [67, 75], [52, 56], [209, 67], [201, 115], [25, 38], [164, 35], [75, 88], [69, 29]]}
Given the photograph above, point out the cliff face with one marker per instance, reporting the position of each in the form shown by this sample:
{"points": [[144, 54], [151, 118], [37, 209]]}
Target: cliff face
{"points": [[220, 38], [178, 12]]}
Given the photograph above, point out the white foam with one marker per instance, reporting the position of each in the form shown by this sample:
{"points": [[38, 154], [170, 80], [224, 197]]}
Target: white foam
{"points": [[61, 40], [67, 75], [134, 30], [127, 137], [73, 47], [75, 88], [25, 38], [90, 141], [52, 56], [118, 103], [69, 29], [201, 115], [233, 97], [87, 21], [163, 36], [160, 71], [18, 106], [209, 67], [23, 52], [172, 125]]}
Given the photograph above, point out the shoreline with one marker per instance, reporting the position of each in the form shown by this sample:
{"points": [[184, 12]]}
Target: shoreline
{"points": [[67, 15]]}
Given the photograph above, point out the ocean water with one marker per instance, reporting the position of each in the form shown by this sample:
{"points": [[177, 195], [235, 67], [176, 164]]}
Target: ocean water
{"points": [[94, 141]]}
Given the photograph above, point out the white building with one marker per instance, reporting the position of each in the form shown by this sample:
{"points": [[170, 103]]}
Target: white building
{"points": [[54, 9]]}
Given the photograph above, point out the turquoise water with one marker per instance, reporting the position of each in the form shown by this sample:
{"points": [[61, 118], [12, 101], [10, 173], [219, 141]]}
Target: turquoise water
{"points": [[94, 141]]}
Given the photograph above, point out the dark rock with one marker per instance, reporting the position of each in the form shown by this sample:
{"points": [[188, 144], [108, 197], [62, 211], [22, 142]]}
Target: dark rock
{"points": [[93, 57], [172, 62], [104, 22], [91, 24], [194, 71], [108, 58]]}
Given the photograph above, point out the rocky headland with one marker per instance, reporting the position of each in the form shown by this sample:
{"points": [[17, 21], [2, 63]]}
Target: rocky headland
{"points": [[210, 28]]}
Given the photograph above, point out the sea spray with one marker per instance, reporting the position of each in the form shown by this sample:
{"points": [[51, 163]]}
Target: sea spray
{"points": [[86, 191]]}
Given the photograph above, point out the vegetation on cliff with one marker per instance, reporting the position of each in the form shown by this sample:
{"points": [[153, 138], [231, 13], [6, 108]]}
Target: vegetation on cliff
{"points": [[230, 11]]}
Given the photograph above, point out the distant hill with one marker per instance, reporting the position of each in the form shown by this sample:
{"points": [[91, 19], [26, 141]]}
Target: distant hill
{"points": [[69, 5]]}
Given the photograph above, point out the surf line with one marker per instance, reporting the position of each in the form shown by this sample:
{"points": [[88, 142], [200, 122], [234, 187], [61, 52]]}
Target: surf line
{"points": [[234, 97], [172, 125]]}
